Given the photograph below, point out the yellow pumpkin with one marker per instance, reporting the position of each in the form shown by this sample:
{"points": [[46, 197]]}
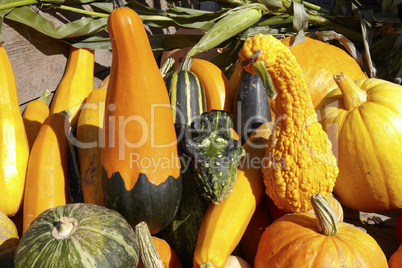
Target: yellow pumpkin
{"points": [[363, 120]]}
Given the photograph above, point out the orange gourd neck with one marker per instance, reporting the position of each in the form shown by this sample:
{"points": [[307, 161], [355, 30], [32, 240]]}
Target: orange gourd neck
{"points": [[353, 96], [137, 96]]}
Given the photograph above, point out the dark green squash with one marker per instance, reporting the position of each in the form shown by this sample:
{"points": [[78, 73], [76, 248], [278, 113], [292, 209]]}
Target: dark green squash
{"points": [[78, 235], [252, 106], [188, 102], [215, 155], [182, 233]]}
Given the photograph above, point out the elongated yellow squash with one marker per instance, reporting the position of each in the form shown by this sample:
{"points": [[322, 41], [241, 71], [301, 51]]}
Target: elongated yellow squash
{"points": [[14, 151], [219, 94], [46, 180], [89, 128], [223, 225], [34, 114], [76, 84]]}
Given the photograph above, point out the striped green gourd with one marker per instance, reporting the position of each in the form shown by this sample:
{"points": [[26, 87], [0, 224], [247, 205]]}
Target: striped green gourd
{"points": [[78, 235], [188, 102], [187, 96]]}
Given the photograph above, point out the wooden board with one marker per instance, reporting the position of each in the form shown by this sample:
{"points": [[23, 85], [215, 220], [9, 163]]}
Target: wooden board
{"points": [[39, 61]]}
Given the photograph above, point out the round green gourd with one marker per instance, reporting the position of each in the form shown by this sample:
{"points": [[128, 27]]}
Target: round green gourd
{"points": [[78, 235]]}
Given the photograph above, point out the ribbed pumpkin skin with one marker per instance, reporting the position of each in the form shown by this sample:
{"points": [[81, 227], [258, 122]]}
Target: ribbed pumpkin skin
{"points": [[13, 141], [293, 241], [141, 169], [320, 61], [368, 139], [103, 238]]}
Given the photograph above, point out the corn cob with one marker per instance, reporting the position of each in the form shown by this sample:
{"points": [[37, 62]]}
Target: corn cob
{"points": [[236, 21]]}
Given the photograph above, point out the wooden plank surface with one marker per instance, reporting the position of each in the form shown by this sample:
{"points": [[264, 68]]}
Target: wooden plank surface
{"points": [[39, 61]]}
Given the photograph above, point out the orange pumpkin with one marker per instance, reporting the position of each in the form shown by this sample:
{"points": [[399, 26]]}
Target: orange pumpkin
{"points": [[395, 261], [320, 61], [303, 240]]}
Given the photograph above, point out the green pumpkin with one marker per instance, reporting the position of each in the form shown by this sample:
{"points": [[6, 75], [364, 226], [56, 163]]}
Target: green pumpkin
{"points": [[78, 235]]}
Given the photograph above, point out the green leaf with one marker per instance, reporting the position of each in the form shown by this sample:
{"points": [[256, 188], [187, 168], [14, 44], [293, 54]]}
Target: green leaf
{"points": [[272, 5], [84, 26]]}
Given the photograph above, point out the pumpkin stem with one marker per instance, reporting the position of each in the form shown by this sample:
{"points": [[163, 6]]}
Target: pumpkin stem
{"points": [[260, 69], [327, 222], [353, 96], [149, 255], [117, 4], [64, 228]]}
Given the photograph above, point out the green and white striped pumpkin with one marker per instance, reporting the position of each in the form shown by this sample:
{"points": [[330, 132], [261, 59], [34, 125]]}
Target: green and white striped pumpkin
{"points": [[78, 235]]}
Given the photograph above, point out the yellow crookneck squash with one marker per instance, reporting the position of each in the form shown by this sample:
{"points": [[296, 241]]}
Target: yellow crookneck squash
{"points": [[46, 180], [13, 141], [223, 225], [363, 119], [76, 84], [299, 160], [89, 129], [34, 114], [299, 240], [141, 168]]}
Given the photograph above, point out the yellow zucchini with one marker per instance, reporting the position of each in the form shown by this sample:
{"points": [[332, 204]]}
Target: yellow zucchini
{"points": [[76, 84], [90, 123], [223, 225], [14, 151]]}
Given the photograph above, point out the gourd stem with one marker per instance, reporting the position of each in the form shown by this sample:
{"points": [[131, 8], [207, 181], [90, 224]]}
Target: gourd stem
{"points": [[45, 96], [207, 265], [167, 66], [353, 96], [64, 228], [149, 255], [327, 222], [260, 69], [186, 64], [117, 4]]}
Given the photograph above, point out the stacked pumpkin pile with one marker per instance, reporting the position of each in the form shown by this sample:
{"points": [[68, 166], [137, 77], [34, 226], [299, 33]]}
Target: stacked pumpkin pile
{"points": [[177, 166]]}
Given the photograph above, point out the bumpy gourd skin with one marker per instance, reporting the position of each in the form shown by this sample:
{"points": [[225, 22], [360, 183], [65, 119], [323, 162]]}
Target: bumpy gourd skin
{"points": [[299, 160]]}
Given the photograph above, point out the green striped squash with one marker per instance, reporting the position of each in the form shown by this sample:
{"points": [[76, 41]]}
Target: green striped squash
{"points": [[187, 97], [78, 235]]}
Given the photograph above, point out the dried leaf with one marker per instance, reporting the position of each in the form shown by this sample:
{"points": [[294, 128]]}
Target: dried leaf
{"points": [[300, 17]]}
